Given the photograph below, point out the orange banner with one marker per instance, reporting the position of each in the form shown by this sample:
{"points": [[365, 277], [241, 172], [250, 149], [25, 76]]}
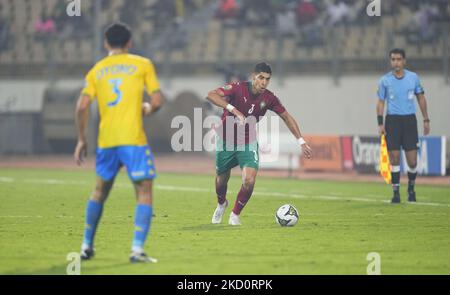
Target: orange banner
{"points": [[327, 154]]}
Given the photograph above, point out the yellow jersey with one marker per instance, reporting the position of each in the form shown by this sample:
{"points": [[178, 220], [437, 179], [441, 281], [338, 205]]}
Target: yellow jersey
{"points": [[118, 83]]}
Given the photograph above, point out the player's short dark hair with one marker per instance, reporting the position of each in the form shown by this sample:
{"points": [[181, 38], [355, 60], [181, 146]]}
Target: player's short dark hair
{"points": [[262, 67], [118, 35], [397, 51]]}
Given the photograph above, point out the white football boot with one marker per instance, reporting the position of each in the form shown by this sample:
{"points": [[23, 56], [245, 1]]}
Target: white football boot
{"points": [[141, 257], [234, 219], [218, 213]]}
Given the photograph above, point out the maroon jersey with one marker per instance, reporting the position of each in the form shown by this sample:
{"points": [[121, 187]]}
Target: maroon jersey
{"points": [[239, 94]]}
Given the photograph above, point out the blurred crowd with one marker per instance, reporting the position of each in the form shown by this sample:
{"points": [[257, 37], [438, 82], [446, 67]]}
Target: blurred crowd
{"points": [[57, 22], [54, 22], [308, 17], [4, 31], [304, 20]]}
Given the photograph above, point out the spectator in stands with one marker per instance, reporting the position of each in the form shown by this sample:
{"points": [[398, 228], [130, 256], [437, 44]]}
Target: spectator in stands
{"points": [[227, 9], [45, 25], [427, 26], [259, 12], [306, 12], [187, 7], [358, 13], [422, 27], [338, 12], [444, 9], [286, 22], [69, 27], [310, 22], [4, 32], [61, 20], [179, 11]]}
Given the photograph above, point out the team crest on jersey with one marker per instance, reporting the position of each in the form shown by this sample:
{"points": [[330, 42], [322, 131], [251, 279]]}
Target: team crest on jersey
{"points": [[227, 87], [262, 105]]}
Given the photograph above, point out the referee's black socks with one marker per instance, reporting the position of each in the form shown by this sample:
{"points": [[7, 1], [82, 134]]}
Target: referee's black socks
{"points": [[412, 174], [395, 175]]}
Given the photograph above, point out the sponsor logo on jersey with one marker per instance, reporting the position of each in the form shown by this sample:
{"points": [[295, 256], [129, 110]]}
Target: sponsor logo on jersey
{"points": [[138, 173]]}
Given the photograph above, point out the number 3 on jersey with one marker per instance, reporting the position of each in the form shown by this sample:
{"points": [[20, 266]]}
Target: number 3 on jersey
{"points": [[115, 83]]}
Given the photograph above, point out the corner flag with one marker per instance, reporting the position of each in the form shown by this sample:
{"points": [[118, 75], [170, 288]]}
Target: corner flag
{"points": [[385, 166]]}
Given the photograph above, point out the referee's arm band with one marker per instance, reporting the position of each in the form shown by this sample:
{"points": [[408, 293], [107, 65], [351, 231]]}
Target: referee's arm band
{"points": [[380, 120]]}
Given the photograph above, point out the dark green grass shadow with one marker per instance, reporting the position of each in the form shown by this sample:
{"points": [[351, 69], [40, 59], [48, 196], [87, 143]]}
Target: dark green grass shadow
{"points": [[209, 227], [62, 268]]}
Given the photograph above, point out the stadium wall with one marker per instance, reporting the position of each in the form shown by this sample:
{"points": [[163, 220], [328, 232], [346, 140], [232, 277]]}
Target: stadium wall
{"points": [[321, 107]]}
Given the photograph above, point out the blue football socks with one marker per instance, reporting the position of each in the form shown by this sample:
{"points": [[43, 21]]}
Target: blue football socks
{"points": [[93, 213], [142, 223]]}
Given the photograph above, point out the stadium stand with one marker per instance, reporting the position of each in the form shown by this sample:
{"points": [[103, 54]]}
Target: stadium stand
{"points": [[36, 35]]}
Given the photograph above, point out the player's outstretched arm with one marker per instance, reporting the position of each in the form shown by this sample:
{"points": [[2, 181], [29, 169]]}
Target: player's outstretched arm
{"points": [[291, 123], [81, 121], [423, 108], [157, 100], [216, 97]]}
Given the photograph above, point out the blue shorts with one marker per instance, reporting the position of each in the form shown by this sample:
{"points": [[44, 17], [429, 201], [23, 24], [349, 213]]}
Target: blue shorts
{"points": [[137, 159]]}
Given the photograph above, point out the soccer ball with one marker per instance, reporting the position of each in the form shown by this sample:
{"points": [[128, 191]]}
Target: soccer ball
{"points": [[287, 215]]}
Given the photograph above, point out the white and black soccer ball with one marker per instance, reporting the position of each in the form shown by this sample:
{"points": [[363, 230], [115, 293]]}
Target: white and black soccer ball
{"points": [[287, 215]]}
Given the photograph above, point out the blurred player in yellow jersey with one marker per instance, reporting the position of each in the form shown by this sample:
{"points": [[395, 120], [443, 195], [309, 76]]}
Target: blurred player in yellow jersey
{"points": [[118, 82]]}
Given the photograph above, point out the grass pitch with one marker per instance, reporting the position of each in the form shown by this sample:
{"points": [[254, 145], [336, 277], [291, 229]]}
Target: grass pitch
{"points": [[42, 219]]}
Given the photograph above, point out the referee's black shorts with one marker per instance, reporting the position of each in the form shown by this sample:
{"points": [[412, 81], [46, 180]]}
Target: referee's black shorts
{"points": [[401, 131]]}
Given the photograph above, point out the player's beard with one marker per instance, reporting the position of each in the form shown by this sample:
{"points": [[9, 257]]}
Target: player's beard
{"points": [[259, 90]]}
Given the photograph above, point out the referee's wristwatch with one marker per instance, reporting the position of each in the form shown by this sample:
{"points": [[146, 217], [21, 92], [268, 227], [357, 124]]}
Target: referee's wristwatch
{"points": [[427, 120]]}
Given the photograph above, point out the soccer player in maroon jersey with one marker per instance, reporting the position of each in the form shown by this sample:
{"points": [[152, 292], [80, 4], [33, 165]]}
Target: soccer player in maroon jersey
{"points": [[244, 103]]}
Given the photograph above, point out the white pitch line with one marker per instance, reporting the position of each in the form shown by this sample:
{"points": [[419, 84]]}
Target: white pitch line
{"points": [[205, 190], [55, 181], [20, 216], [295, 196], [57, 216], [182, 188], [6, 179]]}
